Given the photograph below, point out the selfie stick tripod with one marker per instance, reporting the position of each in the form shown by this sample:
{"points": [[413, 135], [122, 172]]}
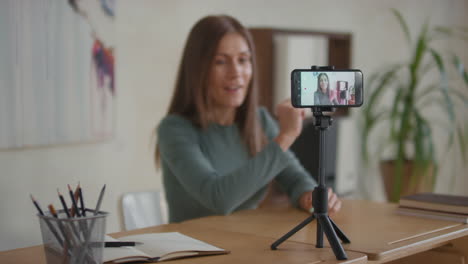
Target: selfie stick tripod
{"points": [[320, 197]]}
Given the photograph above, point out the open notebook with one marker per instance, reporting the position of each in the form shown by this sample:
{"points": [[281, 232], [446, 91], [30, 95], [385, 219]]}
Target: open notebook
{"points": [[159, 247]]}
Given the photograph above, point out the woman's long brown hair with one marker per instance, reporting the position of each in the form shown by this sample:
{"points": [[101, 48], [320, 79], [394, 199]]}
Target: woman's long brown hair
{"points": [[190, 98], [318, 83]]}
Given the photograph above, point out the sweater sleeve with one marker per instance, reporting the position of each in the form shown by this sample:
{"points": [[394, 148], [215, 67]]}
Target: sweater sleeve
{"points": [[294, 179], [316, 98], [179, 146]]}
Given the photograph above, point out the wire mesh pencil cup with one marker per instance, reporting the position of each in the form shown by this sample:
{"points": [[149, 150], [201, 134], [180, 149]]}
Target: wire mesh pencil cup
{"points": [[76, 240]]}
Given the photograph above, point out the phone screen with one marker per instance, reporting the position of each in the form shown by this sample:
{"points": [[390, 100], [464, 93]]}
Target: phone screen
{"points": [[338, 88]]}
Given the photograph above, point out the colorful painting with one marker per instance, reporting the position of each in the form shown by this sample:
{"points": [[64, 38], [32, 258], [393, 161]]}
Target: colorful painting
{"points": [[57, 77]]}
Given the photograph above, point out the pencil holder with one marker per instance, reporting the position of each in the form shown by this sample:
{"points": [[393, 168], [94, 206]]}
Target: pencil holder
{"points": [[73, 240]]}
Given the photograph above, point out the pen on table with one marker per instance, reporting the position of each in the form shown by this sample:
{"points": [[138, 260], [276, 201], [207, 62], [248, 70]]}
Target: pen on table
{"points": [[80, 193], [121, 243], [72, 197], [64, 204]]}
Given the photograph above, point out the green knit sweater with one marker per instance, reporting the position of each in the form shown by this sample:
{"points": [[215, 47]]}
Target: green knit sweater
{"points": [[209, 172]]}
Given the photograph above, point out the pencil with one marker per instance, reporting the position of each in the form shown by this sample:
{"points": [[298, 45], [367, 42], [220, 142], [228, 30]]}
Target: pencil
{"points": [[87, 235], [36, 205], [77, 197], [101, 195], [67, 236], [52, 211], [64, 204], [83, 208], [52, 229], [72, 197], [67, 212]]}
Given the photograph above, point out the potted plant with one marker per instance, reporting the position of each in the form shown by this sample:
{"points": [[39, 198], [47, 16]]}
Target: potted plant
{"points": [[411, 87]]}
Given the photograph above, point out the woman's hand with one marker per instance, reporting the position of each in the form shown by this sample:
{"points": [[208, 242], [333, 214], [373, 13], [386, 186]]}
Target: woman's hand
{"points": [[290, 123], [334, 203]]}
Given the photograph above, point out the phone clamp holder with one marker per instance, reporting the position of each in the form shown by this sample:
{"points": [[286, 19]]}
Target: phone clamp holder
{"points": [[322, 68], [320, 194]]}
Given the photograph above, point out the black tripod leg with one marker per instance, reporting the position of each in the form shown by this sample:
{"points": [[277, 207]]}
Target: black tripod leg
{"points": [[340, 233], [292, 232], [332, 238], [319, 235]]}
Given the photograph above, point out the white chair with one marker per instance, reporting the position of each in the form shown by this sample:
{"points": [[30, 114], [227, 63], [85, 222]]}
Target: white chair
{"points": [[143, 209]]}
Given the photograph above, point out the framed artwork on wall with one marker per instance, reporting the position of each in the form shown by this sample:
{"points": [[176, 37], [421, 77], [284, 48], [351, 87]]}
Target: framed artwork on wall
{"points": [[57, 81]]}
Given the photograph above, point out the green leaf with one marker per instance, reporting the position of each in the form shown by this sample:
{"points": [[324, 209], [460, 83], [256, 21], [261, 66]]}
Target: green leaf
{"points": [[448, 103], [452, 32], [424, 148], [460, 68], [402, 136], [443, 30], [387, 78], [450, 127], [438, 59], [462, 144], [444, 84], [403, 24], [395, 114], [421, 47]]}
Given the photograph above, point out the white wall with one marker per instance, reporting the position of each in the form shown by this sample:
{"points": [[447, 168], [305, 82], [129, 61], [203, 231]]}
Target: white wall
{"points": [[150, 36]]}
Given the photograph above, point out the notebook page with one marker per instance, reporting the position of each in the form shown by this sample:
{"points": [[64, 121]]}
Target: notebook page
{"points": [[160, 244], [113, 253]]}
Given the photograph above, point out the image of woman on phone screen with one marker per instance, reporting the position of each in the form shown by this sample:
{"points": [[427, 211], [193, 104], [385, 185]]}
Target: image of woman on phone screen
{"points": [[322, 95]]}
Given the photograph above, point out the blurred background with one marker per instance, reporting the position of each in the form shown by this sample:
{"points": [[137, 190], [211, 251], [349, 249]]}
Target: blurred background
{"points": [[146, 38]]}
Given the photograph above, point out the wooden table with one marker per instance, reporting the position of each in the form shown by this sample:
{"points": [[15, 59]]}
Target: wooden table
{"points": [[245, 248], [375, 231], [373, 228]]}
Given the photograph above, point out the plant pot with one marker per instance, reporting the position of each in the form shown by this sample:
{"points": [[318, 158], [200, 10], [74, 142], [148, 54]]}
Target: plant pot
{"points": [[421, 183]]}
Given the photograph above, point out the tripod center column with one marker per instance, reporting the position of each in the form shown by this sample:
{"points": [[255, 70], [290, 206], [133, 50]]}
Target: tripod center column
{"points": [[320, 199]]}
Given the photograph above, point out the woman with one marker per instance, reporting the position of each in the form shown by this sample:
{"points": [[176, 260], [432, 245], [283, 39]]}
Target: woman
{"points": [[217, 149], [322, 95]]}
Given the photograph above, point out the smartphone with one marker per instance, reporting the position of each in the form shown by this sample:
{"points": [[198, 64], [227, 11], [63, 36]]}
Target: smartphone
{"points": [[331, 88]]}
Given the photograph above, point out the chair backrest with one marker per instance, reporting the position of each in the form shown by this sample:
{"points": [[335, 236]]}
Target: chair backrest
{"points": [[143, 209]]}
